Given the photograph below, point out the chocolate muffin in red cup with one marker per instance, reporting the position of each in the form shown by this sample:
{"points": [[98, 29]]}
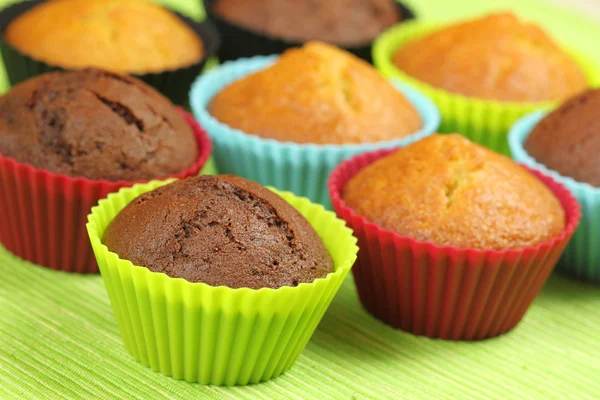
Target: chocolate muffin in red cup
{"points": [[68, 139], [455, 240]]}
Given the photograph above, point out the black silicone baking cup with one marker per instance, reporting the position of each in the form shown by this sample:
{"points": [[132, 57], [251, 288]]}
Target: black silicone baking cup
{"points": [[238, 42], [174, 84]]}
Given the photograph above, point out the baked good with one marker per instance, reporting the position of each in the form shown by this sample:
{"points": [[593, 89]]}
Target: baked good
{"points": [[317, 94], [496, 57], [220, 230], [133, 36], [448, 191], [343, 22], [95, 124], [568, 139]]}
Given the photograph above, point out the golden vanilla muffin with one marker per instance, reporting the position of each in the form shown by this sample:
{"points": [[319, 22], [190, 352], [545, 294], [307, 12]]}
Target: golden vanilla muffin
{"points": [[448, 191], [497, 57], [317, 94], [133, 36], [568, 139]]}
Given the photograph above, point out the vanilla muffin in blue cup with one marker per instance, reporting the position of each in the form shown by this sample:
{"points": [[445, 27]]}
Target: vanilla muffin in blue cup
{"points": [[286, 121], [565, 144]]}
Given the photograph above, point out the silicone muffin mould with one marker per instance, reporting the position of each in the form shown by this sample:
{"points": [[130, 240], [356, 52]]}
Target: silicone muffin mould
{"points": [[582, 256], [217, 335], [483, 121], [43, 214], [239, 42], [441, 291], [300, 168], [174, 84]]}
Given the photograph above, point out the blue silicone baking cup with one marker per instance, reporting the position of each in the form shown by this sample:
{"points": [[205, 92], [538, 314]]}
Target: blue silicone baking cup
{"points": [[581, 258], [300, 168]]}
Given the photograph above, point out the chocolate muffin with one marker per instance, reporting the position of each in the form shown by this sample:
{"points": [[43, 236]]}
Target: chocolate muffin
{"points": [[342, 22], [568, 139], [95, 124], [220, 230], [317, 94], [496, 57], [451, 192]]}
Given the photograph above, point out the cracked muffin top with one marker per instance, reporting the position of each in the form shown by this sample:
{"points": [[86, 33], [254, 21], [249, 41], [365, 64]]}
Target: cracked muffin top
{"points": [[451, 192], [95, 124], [496, 57], [343, 22], [568, 139], [133, 36], [221, 230], [317, 94]]}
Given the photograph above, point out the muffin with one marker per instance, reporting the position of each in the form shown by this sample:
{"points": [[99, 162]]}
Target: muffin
{"points": [[568, 139], [485, 73], [288, 121], [456, 241], [302, 20], [565, 144], [265, 27], [220, 230], [95, 124], [451, 192], [67, 139], [134, 37], [218, 335], [496, 57], [317, 94]]}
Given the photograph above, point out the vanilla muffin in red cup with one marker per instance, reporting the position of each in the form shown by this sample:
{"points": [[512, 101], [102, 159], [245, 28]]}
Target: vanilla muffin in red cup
{"points": [[69, 138], [455, 240]]}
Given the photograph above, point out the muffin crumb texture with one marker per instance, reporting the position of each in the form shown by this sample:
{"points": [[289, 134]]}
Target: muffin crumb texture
{"points": [[317, 94], [449, 191], [497, 57], [133, 36], [95, 124], [568, 139], [220, 230], [343, 22]]}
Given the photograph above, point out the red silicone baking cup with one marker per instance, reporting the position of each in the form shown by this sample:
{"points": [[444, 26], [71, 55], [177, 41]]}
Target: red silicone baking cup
{"points": [[43, 214], [442, 291]]}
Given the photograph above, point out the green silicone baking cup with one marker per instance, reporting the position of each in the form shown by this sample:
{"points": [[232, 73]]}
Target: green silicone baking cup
{"points": [[483, 121], [217, 335]]}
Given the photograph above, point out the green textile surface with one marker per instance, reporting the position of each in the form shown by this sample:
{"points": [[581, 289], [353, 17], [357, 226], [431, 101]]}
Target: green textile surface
{"points": [[59, 339]]}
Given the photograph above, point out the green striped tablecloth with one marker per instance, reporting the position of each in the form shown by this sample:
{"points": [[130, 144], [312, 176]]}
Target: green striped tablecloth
{"points": [[58, 337]]}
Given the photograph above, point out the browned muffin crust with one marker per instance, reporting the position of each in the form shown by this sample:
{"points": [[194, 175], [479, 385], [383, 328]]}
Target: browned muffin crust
{"points": [[317, 94], [343, 22], [220, 230], [95, 124], [449, 191], [568, 139], [496, 57]]}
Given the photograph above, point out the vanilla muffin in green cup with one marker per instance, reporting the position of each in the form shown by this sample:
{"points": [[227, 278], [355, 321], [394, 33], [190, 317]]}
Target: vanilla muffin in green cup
{"points": [[216, 279], [485, 73]]}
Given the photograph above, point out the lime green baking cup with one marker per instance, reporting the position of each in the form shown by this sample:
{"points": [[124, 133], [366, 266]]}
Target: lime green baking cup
{"points": [[217, 335], [483, 121]]}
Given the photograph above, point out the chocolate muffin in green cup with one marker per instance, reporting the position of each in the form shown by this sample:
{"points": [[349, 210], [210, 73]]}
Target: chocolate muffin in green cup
{"points": [[216, 279]]}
